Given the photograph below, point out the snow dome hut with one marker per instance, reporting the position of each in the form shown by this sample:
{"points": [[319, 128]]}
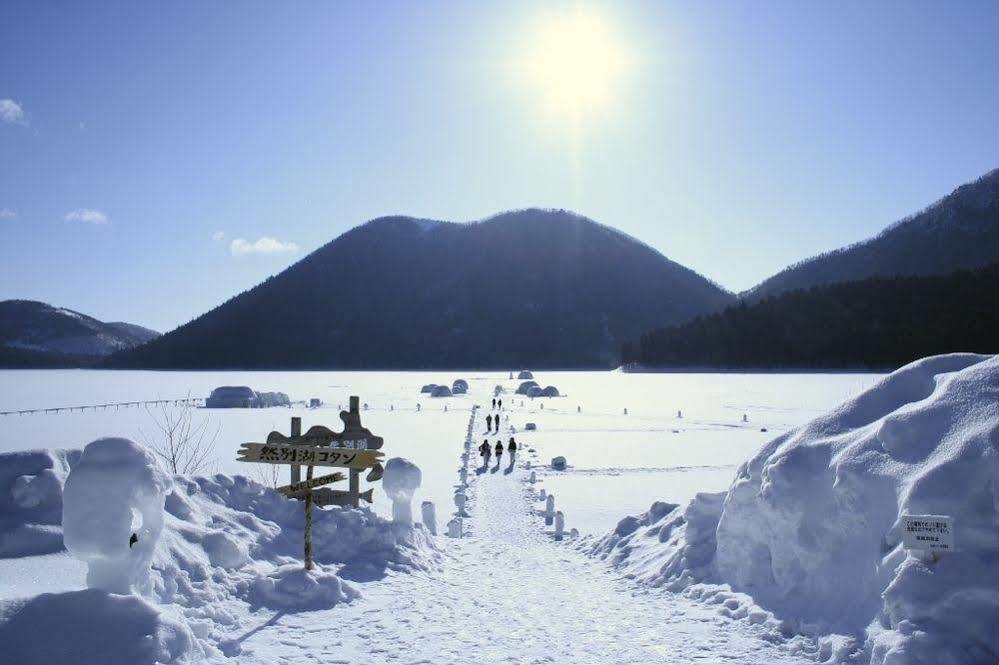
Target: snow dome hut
{"points": [[535, 391], [429, 388], [525, 386], [441, 391], [550, 391], [232, 397], [459, 387], [524, 375]]}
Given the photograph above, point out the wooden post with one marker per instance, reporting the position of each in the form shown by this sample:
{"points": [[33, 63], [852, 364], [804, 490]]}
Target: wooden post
{"points": [[296, 430], [354, 488], [308, 520]]}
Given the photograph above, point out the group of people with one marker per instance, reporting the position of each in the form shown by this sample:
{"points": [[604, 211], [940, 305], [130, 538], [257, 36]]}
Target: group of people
{"points": [[493, 422], [486, 451]]}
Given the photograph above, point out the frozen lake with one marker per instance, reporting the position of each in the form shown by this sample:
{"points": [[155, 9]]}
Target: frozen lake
{"points": [[619, 463]]}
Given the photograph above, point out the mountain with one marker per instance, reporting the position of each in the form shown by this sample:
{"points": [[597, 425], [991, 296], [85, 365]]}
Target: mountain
{"points": [[525, 288], [878, 322], [959, 231], [37, 334]]}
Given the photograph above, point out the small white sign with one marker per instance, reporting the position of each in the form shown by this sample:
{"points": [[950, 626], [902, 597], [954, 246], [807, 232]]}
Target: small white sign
{"points": [[933, 533]]}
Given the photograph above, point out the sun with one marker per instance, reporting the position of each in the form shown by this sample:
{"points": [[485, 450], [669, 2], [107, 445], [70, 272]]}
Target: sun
{"points": [[574, 60]]}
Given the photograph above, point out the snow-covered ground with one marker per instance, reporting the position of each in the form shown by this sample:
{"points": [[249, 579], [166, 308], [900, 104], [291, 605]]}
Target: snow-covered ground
{"points": [[225, 583], [635, 458]]}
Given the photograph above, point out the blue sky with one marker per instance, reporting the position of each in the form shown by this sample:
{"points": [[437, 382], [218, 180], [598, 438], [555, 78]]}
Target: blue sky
{"points": [[140, 141]]}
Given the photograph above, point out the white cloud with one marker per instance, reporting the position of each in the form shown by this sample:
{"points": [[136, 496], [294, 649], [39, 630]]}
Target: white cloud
{"points": [[7, 213], [264, 245], [87, 216], [12, 112], [218, 235]]}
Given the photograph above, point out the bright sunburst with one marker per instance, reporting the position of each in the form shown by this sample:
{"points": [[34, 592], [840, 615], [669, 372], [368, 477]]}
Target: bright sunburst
{"points": [[574, 59]]}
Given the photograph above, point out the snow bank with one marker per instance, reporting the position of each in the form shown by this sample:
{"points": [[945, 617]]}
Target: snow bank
{"points": [[810, 526], [93, 626], [31, 500], [227, 546]]}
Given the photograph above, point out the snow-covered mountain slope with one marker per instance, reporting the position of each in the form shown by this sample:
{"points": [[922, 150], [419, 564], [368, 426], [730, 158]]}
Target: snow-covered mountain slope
{"points": [[959, 231], [810, 528], [39, 327]]}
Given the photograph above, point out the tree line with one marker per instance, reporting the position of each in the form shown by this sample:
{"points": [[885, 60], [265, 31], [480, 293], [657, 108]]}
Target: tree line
{"points": [[880, 322]]}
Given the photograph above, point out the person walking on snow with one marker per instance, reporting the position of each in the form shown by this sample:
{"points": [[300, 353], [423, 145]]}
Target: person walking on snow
{"points": [[499, 451], [489, 423], [494, 402], [485, 451], [512, 447], [500, 405]]}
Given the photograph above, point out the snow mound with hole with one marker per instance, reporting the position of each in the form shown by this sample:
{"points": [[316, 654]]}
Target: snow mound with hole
{"points": [[808, 532]]}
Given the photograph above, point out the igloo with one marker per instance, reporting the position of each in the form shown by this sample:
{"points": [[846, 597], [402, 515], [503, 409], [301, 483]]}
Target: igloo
{"points": [[534, 391], [428, 388], [460, 386], [441, 391], [550, 391], [524, 374], [112, 513], [401, 479], [525, 386]]}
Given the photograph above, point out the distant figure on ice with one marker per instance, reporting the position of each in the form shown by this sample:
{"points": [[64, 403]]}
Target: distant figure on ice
{"points": [[512, 447], [489, 423], [500, 405], [499, 452], [494, 402], [485, 452]]}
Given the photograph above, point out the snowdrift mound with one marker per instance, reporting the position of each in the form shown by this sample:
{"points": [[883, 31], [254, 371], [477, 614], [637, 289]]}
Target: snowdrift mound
{"points": [[31, 500], [94, 626], [810, 527]]}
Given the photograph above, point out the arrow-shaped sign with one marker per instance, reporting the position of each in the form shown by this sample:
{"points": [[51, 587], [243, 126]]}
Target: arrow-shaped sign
{"points": [[266, 453], [328, 497], [296, 488]]}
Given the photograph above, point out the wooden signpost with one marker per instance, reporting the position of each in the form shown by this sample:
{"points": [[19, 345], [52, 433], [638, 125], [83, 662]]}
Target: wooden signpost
{"points": [[355, 449]]}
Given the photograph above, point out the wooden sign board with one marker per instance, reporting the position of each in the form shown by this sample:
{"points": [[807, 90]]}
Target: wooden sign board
{"points": [[328, 497], [296, 488], [264, 453], [933, 533]]}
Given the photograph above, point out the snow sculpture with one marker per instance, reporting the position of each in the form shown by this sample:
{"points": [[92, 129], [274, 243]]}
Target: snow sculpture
{"points": [[401, 479], [559, 463], [454, 528], [463, 474], [429, 516], [534, 478], [459, 501], [559, 525], [543, 494], [549, 509], [112, 513], [527, 464], [574, 532], [679, 414]]}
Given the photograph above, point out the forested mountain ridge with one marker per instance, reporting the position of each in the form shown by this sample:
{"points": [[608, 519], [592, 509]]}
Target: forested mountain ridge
{"points": [[530, 287], [880, 322], [959, 231]]}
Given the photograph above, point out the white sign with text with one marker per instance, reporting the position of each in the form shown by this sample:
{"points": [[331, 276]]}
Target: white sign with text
{"points": [[933, 533]]}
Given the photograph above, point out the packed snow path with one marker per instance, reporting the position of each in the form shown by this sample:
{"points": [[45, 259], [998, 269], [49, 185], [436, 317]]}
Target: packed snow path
{"points": [[507, 593]]}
